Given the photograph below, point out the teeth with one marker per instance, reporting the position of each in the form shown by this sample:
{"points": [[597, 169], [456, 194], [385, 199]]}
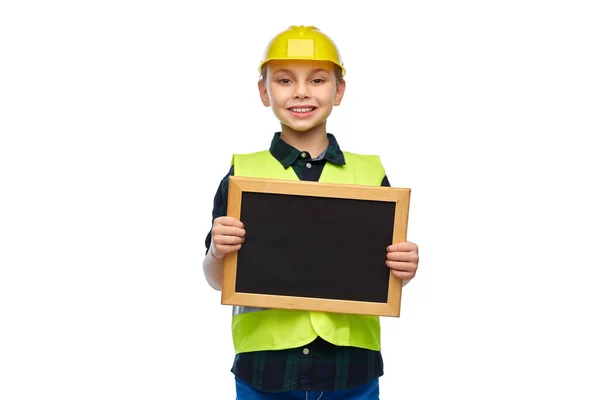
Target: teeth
{"points": [[304, 109]]}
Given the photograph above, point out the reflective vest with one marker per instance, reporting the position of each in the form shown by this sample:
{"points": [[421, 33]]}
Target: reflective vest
{"points": [[255, 329]]}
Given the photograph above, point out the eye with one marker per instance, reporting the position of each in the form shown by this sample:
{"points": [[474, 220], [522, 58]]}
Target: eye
{"points": [[318, 80], [284, 81]]}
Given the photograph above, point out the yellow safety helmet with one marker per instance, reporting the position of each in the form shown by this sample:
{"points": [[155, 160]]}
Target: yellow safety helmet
{"points": [[302, 43]]}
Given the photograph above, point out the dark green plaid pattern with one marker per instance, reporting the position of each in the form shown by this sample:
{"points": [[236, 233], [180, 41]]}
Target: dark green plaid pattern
{"points": [[325, 367], [318, 366]]}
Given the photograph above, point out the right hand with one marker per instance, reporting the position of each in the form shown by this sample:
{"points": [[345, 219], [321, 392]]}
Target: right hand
{"points": [[227, 235]]}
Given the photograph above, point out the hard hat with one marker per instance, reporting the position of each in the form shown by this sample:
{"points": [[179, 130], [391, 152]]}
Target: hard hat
{"points": [[302, 43]]}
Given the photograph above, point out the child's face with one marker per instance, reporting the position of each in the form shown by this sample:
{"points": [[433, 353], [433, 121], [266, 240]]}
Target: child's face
{"points": [[301, 93]]}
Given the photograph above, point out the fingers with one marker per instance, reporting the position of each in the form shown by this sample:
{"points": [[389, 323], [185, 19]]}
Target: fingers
{"points": [[226, 249], [228, 221], [409, 257], [228, 234], [224, 244], [402, 270], [403, 260], [405, 276], [228, 231], [401, 266], [221, 230], [224, 240], [403, 247]]}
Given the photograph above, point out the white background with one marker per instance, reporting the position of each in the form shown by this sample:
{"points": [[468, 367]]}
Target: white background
{"points": [[118, 120]]}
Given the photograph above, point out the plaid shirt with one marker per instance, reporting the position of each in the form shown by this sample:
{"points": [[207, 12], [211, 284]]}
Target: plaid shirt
{"points": [[318, 366]]}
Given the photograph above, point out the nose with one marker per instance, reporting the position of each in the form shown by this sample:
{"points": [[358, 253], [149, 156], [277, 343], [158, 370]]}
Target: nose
{"points": [[302, 91]]}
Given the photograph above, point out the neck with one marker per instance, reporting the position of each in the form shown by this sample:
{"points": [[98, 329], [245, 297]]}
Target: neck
{"points": [[314, 140]]}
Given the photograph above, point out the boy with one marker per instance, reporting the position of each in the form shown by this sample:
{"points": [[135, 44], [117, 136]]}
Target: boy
{"points": [[288, 354]]}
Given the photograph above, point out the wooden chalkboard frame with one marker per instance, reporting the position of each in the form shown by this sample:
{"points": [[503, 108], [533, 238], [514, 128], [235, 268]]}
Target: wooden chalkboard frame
{"points": [[239, 185]]}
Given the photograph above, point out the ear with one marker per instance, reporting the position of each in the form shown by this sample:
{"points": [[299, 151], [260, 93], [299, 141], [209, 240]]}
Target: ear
{"points": [[339, 93], [264, 95]]}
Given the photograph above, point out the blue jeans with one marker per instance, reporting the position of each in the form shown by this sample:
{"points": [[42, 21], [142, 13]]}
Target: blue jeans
{"points": [[370, 391]]}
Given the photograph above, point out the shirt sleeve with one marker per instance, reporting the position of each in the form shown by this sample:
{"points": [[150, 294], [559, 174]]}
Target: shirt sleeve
{"points": [[219, 204]]}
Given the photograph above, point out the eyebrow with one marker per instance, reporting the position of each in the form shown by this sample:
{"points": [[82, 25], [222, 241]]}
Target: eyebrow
{"points": [[289, 71]]}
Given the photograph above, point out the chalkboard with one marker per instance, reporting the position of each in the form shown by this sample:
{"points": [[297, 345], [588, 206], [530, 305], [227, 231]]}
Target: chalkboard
{"points": [[315, 246]]}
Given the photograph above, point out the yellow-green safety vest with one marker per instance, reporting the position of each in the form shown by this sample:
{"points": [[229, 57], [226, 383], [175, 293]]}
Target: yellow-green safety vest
{"points": [[255, 329]]}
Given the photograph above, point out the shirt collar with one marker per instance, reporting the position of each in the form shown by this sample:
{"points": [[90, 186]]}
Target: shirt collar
{"points": [[287, 154]]}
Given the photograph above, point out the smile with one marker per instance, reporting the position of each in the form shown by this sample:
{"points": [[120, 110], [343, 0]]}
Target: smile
{"points": [[302, 109]]}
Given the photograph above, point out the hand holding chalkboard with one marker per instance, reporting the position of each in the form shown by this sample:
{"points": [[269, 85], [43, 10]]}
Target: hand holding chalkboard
{"points": [[403, 259], [228, 235]]}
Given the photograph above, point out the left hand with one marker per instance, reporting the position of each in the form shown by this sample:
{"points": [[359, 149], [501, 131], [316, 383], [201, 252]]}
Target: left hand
{"points": [[403, 260]]}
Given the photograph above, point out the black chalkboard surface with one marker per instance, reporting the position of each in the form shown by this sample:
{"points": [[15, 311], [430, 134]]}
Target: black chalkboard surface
{"points": [[315, 246]]}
